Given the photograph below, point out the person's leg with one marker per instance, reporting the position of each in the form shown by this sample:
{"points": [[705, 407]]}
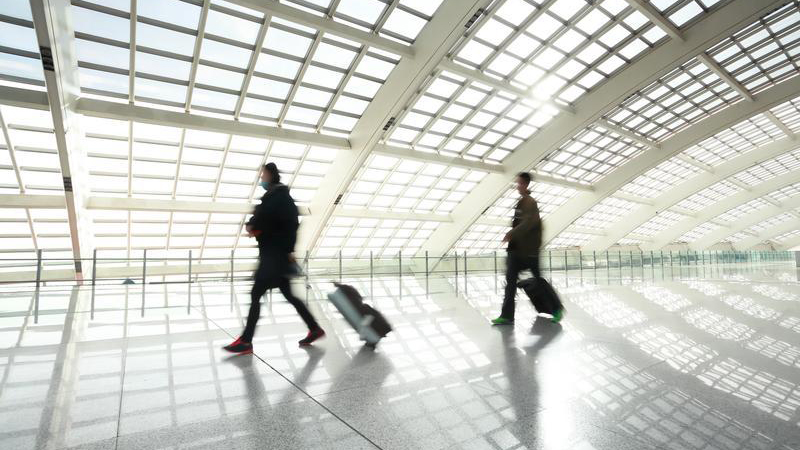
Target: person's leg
{"points": [[258, 291], [513, 268], [301, 308], [314, 330]]}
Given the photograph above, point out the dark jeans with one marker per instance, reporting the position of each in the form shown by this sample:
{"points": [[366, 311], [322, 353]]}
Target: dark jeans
{"points": [[259, 289], [514, 265]]}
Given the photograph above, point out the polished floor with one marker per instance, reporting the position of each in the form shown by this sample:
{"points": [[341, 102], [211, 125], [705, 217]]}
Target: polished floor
{"points": [[698, 358]]}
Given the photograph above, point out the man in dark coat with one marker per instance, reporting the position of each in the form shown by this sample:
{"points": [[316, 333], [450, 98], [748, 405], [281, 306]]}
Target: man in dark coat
{"points": [[274, 225], [524, 240]]}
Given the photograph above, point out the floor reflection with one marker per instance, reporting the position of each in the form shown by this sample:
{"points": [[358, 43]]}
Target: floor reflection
{"points": [[642, 361]]}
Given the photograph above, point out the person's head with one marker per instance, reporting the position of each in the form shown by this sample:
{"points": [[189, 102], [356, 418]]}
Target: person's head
{"points": [[523, 181], [270, 174]]}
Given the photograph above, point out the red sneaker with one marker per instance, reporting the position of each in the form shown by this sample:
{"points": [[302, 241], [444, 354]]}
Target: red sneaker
{"points": [[312, 336], [239, 347]]}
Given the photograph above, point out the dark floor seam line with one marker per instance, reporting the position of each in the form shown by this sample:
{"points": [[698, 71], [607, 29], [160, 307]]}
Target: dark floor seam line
{"points": [[121, 396], [298, 388]]}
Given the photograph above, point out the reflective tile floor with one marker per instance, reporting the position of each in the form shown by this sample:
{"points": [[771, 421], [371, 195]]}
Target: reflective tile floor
{"points": [[700, 359]]}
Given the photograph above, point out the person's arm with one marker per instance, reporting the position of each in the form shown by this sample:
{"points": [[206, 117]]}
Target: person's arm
{"points": [[290, 222], [255, 224], [530, 219]]}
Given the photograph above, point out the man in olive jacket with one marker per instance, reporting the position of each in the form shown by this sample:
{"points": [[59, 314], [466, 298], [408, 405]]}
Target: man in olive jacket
{"points": [[524, 240]]}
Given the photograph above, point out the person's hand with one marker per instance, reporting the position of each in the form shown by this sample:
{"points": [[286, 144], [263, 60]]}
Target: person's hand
{"points": [[292, 259], [507, 237], [249, 229]]}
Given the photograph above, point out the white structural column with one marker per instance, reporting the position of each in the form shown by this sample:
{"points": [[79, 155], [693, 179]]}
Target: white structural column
{"points": [[708, 31], [432, 44], [677, 143], [52, 21], [766, 235], [721, 207], [745, 222], [668, 199]]}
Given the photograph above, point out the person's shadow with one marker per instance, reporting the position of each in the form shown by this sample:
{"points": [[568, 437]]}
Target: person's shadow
{"points": [[521, 374], [264, 419]]}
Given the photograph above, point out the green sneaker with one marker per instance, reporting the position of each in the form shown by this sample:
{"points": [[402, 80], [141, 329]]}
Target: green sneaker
{"points": [[558, 315], [502, 321]]}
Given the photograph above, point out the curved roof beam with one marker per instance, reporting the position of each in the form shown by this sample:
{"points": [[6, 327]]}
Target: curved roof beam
{"points": [[638, 216], [705, 33], [580, 204], [676, 144], [791, 243], [748, 221], [675, 231], [432, 44], [766, 235]]}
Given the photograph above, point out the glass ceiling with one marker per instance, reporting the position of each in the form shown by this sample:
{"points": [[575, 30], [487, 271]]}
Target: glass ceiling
{"points": [[522, 64]]}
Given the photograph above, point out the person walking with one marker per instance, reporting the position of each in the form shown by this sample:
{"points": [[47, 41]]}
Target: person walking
{"points": [[274, 225], [524, 241]]}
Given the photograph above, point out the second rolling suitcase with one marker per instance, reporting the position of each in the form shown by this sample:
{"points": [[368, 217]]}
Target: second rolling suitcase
{"points": [[368, 322], [542, 295]]}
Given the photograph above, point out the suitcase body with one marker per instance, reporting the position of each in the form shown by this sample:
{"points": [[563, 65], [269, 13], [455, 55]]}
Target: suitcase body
{"points": [[542, 295], [368, 322]]}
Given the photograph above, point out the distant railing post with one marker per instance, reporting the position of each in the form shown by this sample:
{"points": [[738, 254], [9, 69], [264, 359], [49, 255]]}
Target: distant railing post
{"points": [[38, 285], [144, 278], [189, 289], [94, 277]]}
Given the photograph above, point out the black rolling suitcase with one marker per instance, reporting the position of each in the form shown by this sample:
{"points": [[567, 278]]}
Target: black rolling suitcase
{"points": [[368, 322], [542, 295]]}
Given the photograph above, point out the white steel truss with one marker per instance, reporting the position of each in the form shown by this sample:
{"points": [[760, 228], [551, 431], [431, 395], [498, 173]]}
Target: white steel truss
{"points": [[703, 34], [727, 204], [670, 147]]}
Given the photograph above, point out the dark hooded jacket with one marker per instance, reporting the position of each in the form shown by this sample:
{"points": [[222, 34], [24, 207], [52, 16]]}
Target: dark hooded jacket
{"points": [[274, 222]]}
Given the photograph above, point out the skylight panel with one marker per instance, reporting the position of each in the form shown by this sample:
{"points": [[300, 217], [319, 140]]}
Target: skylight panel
{"points": [[786, 192], [770, 222], [404, 25], [698, 232], [787, 236], [736, 237], [683, 13], [789, 114], [426, 7], [658, 223], [103, 25], [740, 211], [366, 11], [590, 155], [569, 239], [231, 27], [735, 141], [709, 196], [764, 53], [661, 178], [769, 169], [158, 38], [605, 213], [180, 13], [19, 9], [684, 96], [223, 53]]}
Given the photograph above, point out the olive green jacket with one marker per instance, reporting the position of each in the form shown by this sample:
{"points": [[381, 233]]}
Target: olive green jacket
{"points": [[526, 237]]}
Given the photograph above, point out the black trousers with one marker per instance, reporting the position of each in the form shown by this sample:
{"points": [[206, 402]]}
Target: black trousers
{"points": [[258, 291], [515, 264]]}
